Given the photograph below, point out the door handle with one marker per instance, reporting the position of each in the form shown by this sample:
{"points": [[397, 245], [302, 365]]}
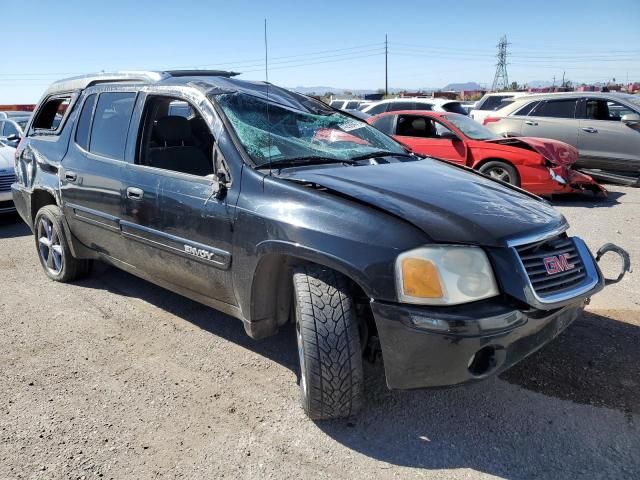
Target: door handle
{"points": [[135, 193], [529, 122], [590, 129], [70, 176]]}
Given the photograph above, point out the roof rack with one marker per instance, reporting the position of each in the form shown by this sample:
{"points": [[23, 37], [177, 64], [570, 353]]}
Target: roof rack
{"points": [[144, 76]]}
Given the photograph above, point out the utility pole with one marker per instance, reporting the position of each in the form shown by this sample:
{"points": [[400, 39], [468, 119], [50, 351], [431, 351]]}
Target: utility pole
{"points": [[386, 66], [563, 79], [501, 78], [554, 83]]}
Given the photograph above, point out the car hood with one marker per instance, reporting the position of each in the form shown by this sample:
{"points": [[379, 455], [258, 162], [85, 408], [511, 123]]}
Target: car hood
{"points": [[557, 152], [6, 159], [448, 203]]}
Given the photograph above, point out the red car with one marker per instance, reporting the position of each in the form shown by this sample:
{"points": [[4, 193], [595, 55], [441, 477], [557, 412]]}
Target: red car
{"points": [[539, 165]]}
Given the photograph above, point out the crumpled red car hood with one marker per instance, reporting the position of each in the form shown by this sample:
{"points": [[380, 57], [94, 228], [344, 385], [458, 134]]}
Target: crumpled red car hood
{"points": [[558, 153]]}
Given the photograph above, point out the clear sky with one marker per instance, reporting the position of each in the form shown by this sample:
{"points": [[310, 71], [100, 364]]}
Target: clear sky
{"points": [[328, 43]]}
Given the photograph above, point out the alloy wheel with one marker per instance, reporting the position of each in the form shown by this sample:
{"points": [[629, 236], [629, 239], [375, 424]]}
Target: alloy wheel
{"points": [[49, 247], [500, 174]]}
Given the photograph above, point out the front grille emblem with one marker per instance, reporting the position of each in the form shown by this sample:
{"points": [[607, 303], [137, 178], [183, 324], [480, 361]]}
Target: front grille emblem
{"points": [[557, 263]]}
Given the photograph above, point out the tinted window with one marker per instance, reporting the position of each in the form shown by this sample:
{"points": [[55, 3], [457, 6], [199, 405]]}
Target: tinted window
{"points": [[180, 109], [111, 123], [51, 113], [421, 106], [397, 106], [415, 126], [527, 108], [351, 105], [454, 107], [493, 102], [9, 129], [84, 122], [337, 104], [385, 124], [597, 109], [381, 107], [557, 109]]}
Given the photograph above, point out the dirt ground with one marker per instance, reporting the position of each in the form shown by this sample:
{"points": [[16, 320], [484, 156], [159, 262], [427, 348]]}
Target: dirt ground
{"points": [[112, 377]]}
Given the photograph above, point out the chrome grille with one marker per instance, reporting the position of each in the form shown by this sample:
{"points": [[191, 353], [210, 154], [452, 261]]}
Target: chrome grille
{"points": [[543, 282], [6, 181]]}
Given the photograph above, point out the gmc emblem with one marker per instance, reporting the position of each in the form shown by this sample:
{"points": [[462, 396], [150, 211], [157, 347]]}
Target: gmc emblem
{"points": [[557, 264]]}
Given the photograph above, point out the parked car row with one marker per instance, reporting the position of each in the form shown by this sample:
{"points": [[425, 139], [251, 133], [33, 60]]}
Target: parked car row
{"points": [[604, 127], [12, 125], [274, 208]]}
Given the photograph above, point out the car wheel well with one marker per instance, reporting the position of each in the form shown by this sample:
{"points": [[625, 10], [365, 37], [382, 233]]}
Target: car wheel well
{"points": [[272, 293], [40, 198], [484, 161]]}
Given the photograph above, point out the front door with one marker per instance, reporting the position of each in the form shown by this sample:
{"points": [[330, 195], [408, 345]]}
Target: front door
{"points": [[606, 142], [430, 137], [177, 231], [92, 172]]}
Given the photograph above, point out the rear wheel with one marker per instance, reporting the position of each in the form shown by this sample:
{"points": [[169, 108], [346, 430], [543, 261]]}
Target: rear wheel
{"points": [[328, 343], [53, 249], [501, 171]]}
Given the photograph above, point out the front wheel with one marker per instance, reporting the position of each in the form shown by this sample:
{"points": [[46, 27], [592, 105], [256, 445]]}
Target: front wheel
{"points": [[328, 343], [501, 171]]}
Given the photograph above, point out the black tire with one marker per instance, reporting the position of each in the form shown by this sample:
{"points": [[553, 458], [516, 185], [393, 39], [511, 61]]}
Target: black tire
{"points": [[331, 382], [502, 171], [55, 256]]}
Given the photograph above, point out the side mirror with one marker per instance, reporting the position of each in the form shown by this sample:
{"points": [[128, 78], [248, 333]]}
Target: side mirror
{"points": [[13, 137], [631, 118]]}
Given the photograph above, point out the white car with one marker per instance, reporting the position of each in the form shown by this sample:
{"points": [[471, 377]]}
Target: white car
{"points": [[7, 177], [491, 102], [346, 104], [416, 103]]}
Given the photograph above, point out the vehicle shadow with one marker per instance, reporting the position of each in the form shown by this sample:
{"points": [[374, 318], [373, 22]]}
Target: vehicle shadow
{"points": [[586, 200], [513, 426], [11, 225]]}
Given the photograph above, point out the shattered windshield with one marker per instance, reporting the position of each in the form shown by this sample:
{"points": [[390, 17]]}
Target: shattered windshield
{"points": [[471, 128], [282, 134]]}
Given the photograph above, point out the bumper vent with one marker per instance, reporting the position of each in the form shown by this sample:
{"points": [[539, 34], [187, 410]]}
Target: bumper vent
{"points": [[553, 265], [6, 181]]}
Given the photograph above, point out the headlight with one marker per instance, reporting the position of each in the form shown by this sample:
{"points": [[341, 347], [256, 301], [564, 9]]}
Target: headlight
{"points": [[444, 275]]}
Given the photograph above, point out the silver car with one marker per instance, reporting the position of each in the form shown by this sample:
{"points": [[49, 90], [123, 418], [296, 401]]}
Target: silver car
{"points": [[604, 127]]}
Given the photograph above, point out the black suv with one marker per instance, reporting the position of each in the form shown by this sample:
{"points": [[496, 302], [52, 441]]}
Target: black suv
{"points": [[273, 207]]}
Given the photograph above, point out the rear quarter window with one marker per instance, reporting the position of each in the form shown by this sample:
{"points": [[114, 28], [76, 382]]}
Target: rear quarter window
{"points": [[385, 124], [51, 115]]}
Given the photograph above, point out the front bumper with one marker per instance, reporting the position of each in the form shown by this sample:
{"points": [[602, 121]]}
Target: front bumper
{"points": [[6, 202], [419, 357]]}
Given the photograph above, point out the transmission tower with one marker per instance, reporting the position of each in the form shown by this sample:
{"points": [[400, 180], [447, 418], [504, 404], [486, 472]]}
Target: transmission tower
{"points": [[501, 79]]}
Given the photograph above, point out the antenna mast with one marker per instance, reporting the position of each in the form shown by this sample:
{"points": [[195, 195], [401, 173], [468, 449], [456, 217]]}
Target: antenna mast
{"points": [[501, 78]]}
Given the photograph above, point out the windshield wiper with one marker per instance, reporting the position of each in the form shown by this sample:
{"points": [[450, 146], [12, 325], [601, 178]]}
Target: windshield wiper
{"points": [[301, 161], [382, 153]]}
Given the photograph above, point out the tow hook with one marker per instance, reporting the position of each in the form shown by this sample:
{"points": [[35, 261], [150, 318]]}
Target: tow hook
{"points": [[622, 253]]}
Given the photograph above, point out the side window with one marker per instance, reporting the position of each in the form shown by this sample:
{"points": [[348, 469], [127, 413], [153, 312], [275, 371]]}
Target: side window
{"points": [[556, 109], [415, 126], [84, 122], [381, 107], [50, 115], [111, 124], [171, 141], [385, 124], [493, 102], [179, 108], [526, 109], [600, 109], [351, 105], [423, 106], [397, 106]]}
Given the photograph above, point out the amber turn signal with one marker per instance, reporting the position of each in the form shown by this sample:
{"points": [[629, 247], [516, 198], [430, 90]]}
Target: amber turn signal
{"points": [[420, 278]]}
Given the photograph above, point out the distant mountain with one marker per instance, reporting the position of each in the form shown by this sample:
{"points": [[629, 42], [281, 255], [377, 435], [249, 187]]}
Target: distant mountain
{"points": [[540, 84], [322, 90], [462, 86]]}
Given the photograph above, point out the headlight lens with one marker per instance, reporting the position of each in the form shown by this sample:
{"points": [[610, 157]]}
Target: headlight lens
{"points": [[444, 275]]}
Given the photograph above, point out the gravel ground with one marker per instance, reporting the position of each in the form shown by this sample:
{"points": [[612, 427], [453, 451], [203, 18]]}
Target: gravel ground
{"points": [[113, 377]]}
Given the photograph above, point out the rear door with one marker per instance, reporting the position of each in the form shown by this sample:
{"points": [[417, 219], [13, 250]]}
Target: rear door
{"points": [[554, 119], [604, 141], [427, 136], [93, 168]]}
